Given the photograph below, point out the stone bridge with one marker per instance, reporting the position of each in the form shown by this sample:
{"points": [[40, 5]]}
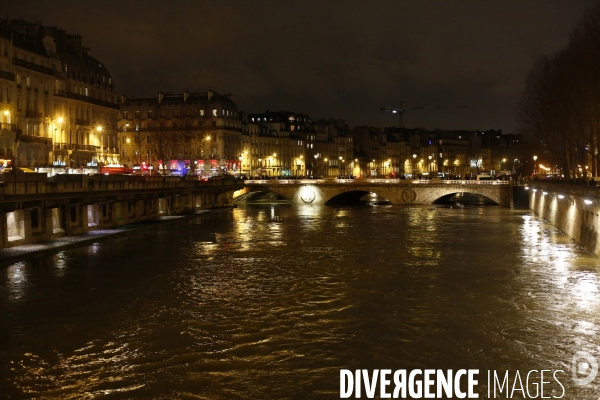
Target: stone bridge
{"points": [[397, 191]]}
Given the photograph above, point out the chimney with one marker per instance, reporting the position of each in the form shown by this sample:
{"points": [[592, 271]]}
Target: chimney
{"points": [[160, 97], [32, 29], [123, 98], [186, 94], [210, 94], [74, 44]]}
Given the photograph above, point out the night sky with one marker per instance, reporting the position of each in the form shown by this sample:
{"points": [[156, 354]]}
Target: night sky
{"points": [[329, 59]]}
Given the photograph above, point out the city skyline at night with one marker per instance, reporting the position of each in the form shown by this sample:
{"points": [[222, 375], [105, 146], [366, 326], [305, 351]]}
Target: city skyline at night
{"points": [[453, 65]]}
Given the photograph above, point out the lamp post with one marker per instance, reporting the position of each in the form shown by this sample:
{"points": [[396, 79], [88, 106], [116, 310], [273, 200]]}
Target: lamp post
{"points": [[535, 165], [315, 166], [260, 165], [325, 167], [60, 127], [340, 166], [206, 155], [500, 166], [429, 166], [414, 165], [241, 158]]}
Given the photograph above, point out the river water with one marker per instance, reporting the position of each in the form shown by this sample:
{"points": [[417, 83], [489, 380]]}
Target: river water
{"points": [[270, 302]]}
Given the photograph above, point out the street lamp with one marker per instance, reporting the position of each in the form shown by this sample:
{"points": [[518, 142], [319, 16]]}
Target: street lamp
{"points": [[414, 165], [340, 166], [249, 164], [60, 122], [326, 166], [241, 158], [207, 164], [535, 165], [260, 165], [429, 163], [500, 165], [315, 166]]}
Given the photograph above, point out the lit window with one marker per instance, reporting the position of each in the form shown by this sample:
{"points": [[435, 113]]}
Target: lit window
{"points": [[214, 112], [202, 113]]}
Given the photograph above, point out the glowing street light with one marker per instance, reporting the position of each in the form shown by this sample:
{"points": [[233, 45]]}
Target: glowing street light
{"points": [[260, 164], [429, 163]]}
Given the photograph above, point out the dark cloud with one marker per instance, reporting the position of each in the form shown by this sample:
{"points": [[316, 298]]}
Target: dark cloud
{"points": [[341, 59]]}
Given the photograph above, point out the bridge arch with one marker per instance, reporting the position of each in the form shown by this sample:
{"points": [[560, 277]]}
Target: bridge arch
{"points": [[354, 197], [451, 191], [320, 192]]}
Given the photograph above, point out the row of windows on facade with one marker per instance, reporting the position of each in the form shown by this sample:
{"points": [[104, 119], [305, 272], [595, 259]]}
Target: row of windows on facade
{"points": [[290, 119], [88, 77], [81, 90], [175, 113]]}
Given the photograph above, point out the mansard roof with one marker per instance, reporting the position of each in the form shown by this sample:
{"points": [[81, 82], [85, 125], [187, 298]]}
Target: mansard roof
{"points": [[32, 44], [209, 99]]}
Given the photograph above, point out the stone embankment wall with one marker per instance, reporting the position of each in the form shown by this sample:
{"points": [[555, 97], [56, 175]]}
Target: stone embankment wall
{"points": [[34, 208], [572, 209]]}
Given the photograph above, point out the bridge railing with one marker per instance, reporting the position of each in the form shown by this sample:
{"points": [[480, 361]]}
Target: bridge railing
{"points": [[460, 182], [369, 181], [282, 181]]}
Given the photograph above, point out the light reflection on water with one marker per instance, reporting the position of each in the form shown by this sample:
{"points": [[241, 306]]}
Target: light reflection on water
{"points": [[270, 302]]}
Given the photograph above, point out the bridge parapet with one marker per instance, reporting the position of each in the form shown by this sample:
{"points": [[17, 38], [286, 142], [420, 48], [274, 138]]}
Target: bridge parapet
{"points": [[371, 181]]}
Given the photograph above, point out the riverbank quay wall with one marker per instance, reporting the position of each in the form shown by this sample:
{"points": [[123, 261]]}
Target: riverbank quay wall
{"points": [[572, 209], [35, 208]]}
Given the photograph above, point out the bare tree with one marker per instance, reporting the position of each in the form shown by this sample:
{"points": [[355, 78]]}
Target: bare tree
{"points": [[191, 143], [165, 144], [559, 111]]}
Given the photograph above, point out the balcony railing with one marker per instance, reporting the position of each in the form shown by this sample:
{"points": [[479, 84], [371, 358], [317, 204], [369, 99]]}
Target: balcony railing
{"points": [[85, 147], [35, 139], [32, 66], [188, 128], [7, 75], [110, 150], [81, 122], [76, 146], [8, 127], [88, 99], [33, 114]]}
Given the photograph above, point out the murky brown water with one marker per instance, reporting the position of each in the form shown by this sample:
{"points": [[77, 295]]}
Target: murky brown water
{"points": [[271, 302]]}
